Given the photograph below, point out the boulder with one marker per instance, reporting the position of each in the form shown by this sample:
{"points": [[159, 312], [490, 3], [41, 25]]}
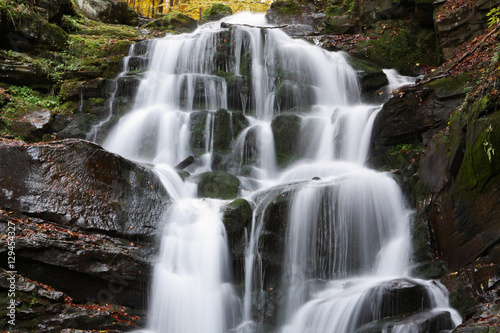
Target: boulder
{"points": [[222, 130], [107, 11], [425, 321], [173, 21], [77, 183], [221, 185], [215, 12]]}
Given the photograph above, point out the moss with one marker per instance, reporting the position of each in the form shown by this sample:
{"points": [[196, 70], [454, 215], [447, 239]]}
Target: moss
{"points": [[477, 173], [391, 50], [215, 12], [219, 185], [53, 37], [286, 132], [222, 130], [450, 86], [287, 7], [174, 21], [120, 49]]}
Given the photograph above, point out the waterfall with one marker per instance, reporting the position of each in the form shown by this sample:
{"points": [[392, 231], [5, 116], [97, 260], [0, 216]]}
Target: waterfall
{"points": [[346, 253]]}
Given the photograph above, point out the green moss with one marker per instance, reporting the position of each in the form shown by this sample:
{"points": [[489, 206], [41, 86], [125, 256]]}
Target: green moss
{"points": [[222, 130], [53, 37], [399, 44], [215, 13], [174, 21], [219, 185], [477, 173], [287, 7]]}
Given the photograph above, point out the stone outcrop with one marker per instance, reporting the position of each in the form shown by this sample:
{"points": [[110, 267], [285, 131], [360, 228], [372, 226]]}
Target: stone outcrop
{"points": [[79, 184]]}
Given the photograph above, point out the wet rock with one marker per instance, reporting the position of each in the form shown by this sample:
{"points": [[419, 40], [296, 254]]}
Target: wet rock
{"points": [[198, 122], [370, 76], [393, 298], [286, 132], [417, 116], [77, 183], [215, 12], [174, 21], [344, 24], [23, 73], [294, 96], [222, 130], [427, 321], [218, 184], [237, 218], [238, 93]]}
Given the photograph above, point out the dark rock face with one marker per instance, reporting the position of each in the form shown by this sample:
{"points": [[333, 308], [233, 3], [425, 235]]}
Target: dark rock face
{"points": [[238, 217], [286, 132], [77, 183], [417, 116], [371, 77], [460, 25], [426, 321]]}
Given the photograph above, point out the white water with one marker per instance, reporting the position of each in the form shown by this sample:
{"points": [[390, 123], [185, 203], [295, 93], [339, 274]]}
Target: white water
{"points": [[348, 230]]}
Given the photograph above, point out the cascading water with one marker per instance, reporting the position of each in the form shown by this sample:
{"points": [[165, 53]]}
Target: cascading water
{"points": [[347, 236]]}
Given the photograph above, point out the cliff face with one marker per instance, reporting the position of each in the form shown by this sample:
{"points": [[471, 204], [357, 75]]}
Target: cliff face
{"points": [[81, 239]]}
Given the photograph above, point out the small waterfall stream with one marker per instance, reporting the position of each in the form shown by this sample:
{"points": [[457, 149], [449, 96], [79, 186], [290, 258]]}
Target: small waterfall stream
{"points": [[347, 239]]}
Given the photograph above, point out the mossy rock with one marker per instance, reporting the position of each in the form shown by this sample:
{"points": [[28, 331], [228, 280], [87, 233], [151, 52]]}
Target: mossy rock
{"points": [[286, 132], [344, 24], [479, 172], [71, 90], [121, 48], [403, 50], [220, 185], [294, 96], [174, 21], [287, 7], [371, 76], [215, 12], [237, 215], [240, 122], [53, 37], [222, 130]]}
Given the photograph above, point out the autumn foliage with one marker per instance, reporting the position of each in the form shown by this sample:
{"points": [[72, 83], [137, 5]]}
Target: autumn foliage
{"points": [[193, 8]]}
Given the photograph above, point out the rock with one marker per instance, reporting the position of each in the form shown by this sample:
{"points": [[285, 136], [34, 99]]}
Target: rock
{"points": [[218, 184], [222, 130], [390, 50], [77, 183], [174, 21], [23, 73], [300, 20], [370, 76], [215, 12], [426, 321], [286, 132], [294, 96], [185, 163], [238, 218], [472, 287], [461, 24], [344, 24], [53, 38], [239, 93], [55, 9], [417, 116], [393, 298], [41, 308], [107, 11], [198, 122]]}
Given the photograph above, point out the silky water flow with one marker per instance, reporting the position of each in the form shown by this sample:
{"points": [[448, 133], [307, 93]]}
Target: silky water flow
{"points": [[347, 249]]}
